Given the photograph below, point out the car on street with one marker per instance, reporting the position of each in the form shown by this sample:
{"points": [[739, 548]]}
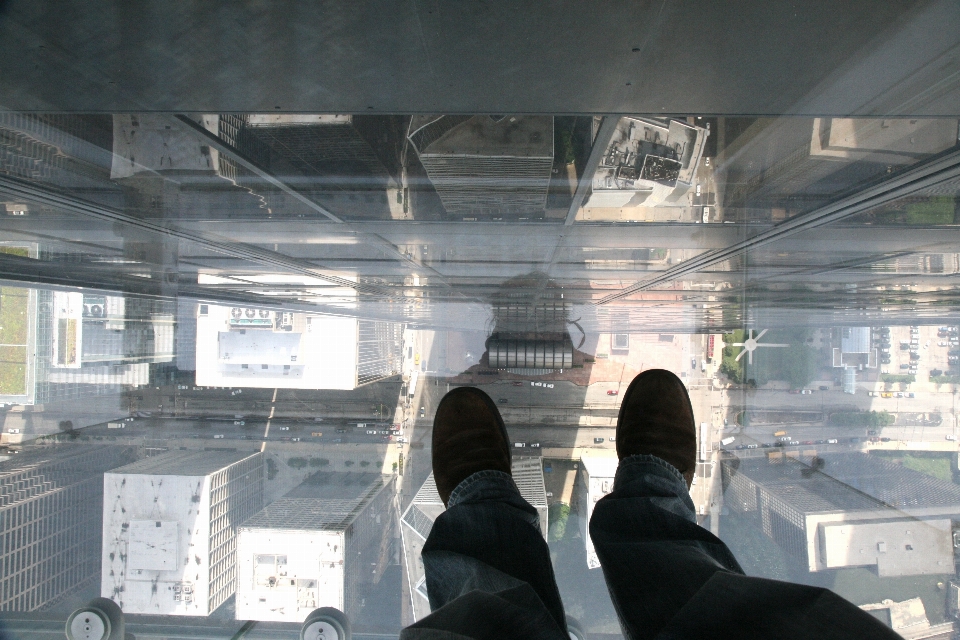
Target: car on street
{"points": [[752, 446], [872, 394], [371, 432], [832, 441], [534, 445], [612, 392], [239, 423], [741, 446], [503, 400], [823, 388], [518, 383], [219, 436], [910, 394], [874, 439], [795, 391], [693, 363], [597, 440], [884, 439], [872, 432], [284, 428], [951, 437], [794, 442], [806, 392], [341, 430], [898, 394], [519, 445], [423, 412]]}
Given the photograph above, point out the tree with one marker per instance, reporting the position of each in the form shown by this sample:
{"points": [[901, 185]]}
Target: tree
{"points": [[348, 463], [297, 463]]}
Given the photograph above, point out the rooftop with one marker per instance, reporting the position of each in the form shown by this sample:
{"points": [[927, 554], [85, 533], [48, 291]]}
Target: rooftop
{"points": [[848, 482], [184, 463]]}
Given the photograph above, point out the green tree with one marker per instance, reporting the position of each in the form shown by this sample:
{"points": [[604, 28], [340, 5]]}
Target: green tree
{"points": [[297, 463], [557, 515]]}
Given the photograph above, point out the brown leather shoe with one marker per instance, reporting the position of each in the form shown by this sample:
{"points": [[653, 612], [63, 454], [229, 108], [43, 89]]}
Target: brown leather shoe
{"points": [[656, 418], [468, 436]]}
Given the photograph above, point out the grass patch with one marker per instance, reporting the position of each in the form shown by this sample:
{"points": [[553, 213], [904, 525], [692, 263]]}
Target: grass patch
{"points": [[933, 211], [862, 419], [932, 463]]}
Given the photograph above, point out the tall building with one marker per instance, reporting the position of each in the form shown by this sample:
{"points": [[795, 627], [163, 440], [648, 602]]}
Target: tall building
{"points": [[595, 481], [426, 507], [169, 529], [648, 162], [95, 344], [847, 510], [248, 347], [50, 509], [489, 166], [327, 144], [320, 545]]}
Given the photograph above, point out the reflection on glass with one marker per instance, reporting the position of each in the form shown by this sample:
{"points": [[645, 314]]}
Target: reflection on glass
{"points": [[223, 338]]}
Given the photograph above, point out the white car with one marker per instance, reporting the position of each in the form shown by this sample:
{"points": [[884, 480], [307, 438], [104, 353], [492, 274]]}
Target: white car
{"points": [[805, 392], [519, 445], [951, 437], [873, 394], [832, 441]]}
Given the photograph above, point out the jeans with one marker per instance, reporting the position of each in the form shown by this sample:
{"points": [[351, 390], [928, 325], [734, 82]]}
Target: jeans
{"points": [[489, 575]]}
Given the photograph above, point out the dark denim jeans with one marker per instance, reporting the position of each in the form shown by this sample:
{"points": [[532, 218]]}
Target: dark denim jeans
{"points": [[489, 574]]}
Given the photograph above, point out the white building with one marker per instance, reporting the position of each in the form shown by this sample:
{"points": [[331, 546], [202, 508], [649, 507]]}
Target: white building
{"points": [[248, 347], [169, 529], [418, 519], [320, 545], [596, 480]]}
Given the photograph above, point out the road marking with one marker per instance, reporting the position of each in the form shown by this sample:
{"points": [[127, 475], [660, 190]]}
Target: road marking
{"points": [[266, 432]]}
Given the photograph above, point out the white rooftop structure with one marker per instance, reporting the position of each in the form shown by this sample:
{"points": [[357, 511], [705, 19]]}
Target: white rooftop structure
{"points": [[314, 547], [250, 347], [169, 529], [426, 507], [597, 473], [648, 162]]}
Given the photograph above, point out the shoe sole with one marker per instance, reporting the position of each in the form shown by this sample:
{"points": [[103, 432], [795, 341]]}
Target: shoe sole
{"points": [[626, 395], [487, 400]]}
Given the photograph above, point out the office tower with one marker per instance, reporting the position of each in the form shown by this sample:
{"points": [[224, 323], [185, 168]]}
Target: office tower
{"points": [[489, 166], [317, 145], [320, 545], [50, 509], [649, 162], [95, 344], [595, 481], [169, 529], [847, 510], [779, 168], [249, 347], [418, 519]]}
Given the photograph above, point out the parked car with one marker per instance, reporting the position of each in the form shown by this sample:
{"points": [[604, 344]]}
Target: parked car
{"points": [[519, 445], [806, 392], [518, 383], [612, 392], [832, 441], [951, 437], [503, 400], [884, 439], [910, 394], [534, 445], [751, 446], [423, 412], [872, 432], [824, 388], [597, 440]]}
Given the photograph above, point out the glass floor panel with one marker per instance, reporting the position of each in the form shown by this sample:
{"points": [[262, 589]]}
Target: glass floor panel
{"points": [[224, 333]]}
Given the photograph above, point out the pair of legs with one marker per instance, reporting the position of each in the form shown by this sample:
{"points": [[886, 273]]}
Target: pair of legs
{"points": [[488, 567]]}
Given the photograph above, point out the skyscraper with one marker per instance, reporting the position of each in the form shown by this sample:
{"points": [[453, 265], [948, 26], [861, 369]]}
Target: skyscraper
{"points": [[50, 508], [489, 166], [319, 545], [848, 509], [248, 347], [426, 507], [169, 529]]}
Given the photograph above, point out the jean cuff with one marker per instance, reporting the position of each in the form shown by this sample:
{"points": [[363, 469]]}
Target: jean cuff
{"points": [[630, 465], [484, 485]]}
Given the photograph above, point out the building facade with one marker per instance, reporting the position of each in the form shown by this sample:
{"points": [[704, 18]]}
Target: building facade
{"points": [[50, 509], [596, 481], [489, 166], [169, 529], [426, 507]]}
